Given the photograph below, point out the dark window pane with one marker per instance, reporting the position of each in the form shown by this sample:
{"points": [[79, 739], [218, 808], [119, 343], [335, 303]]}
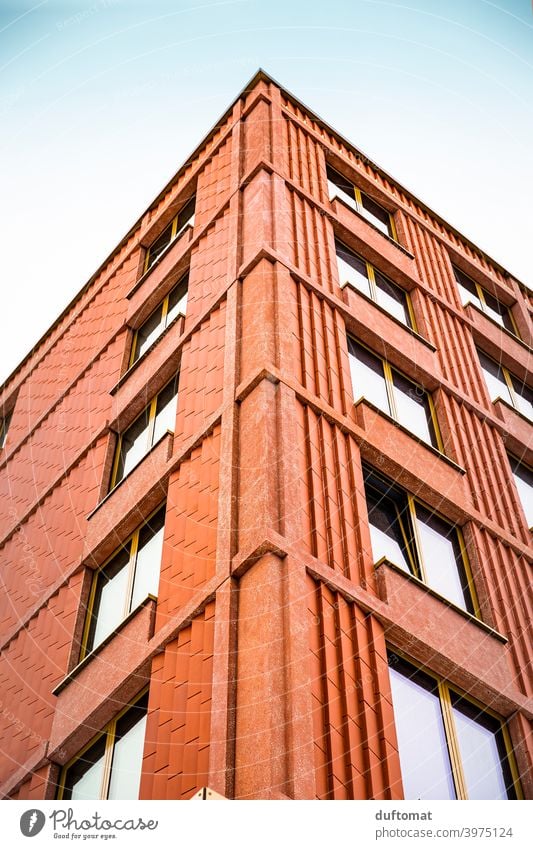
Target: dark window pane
{"points": [[110, 599], [368, 380], [84, 778], [148, 563], [157, 248], [424, 758], [177, 300], [498, 312], [413, 408], [483, 753], [392, 298], [148, 332], [352, 269], [523, 478], [127, 753], [375, 213], [467, 289], [186, 216], [339, 186], [390, 532], [4, 427], [134, 445], [443, 561]]}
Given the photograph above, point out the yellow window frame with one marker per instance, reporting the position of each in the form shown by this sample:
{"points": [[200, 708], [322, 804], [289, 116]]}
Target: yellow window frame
{"points": [[164, 313], [360, 208], [371, 276], [133, 543], [388, 372], [508, 377], [481, 292], [109, 731], [511, 457], [444, 689], [173, 233]]}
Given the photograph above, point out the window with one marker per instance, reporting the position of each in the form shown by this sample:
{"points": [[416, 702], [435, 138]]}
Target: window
{"points": [[178, 225], [158, 417], [4, 427], [472, 293], [173, 305], [339, 186], [110, 766], [394, 394], [411, 536], [449, 748], [124, 581], [523, 478], [355, 271], [502, 384]]}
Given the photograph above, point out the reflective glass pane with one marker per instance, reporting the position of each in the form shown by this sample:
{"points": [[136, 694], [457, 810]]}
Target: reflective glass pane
{"points": [[157, 248], [424, 759], [467, 289], [126, 765], [368, 380], [482, 752], [392, 298], [523, 397], [352, 270], [523, 478], [442, 558], [389, 529], [375, 213], [165, 417], [84, 778], [133, 445], [498, 312], [494, 379], [148, 562], [177, 301], [339, 186], [185, 217], [148, 333], [110, 598], [413, 408]]}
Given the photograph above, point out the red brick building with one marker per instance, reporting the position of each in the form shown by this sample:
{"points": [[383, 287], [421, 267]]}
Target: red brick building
{"points": [[266, 488]]}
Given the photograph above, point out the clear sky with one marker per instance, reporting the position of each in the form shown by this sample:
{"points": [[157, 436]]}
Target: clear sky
{"points": [[102, 100]]}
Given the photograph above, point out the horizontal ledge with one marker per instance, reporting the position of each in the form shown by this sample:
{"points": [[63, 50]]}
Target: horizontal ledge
{"points": [[384, 561], [150, 599]]}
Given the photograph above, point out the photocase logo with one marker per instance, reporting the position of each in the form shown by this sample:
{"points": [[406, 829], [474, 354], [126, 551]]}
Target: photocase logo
{"points": [[32, 822]]}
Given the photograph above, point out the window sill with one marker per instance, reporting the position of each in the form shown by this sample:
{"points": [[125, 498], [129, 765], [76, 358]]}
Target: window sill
{"points": [[144, 356], [119, 484], [430, 591], [408, 432], [471, 306], [150, 599], [513, 409], [337, 199], [188, 229], [393, 318]]}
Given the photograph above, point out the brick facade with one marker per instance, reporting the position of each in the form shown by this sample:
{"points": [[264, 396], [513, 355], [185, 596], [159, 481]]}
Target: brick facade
{"points": [[266, 650]]}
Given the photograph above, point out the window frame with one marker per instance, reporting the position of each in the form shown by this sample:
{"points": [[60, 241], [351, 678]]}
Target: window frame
{"points": [[373, 287], [416, 557], [480, 293], [513, 462], [388, 372], [163, 305], [133, 543], [109, 731], [174, 232], [152, 410], [444, 690], [359, 206], [508, 377], [5, 422]]}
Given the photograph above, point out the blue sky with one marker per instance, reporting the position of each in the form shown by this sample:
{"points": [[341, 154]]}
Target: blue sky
{"points": [[101, 101]]}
